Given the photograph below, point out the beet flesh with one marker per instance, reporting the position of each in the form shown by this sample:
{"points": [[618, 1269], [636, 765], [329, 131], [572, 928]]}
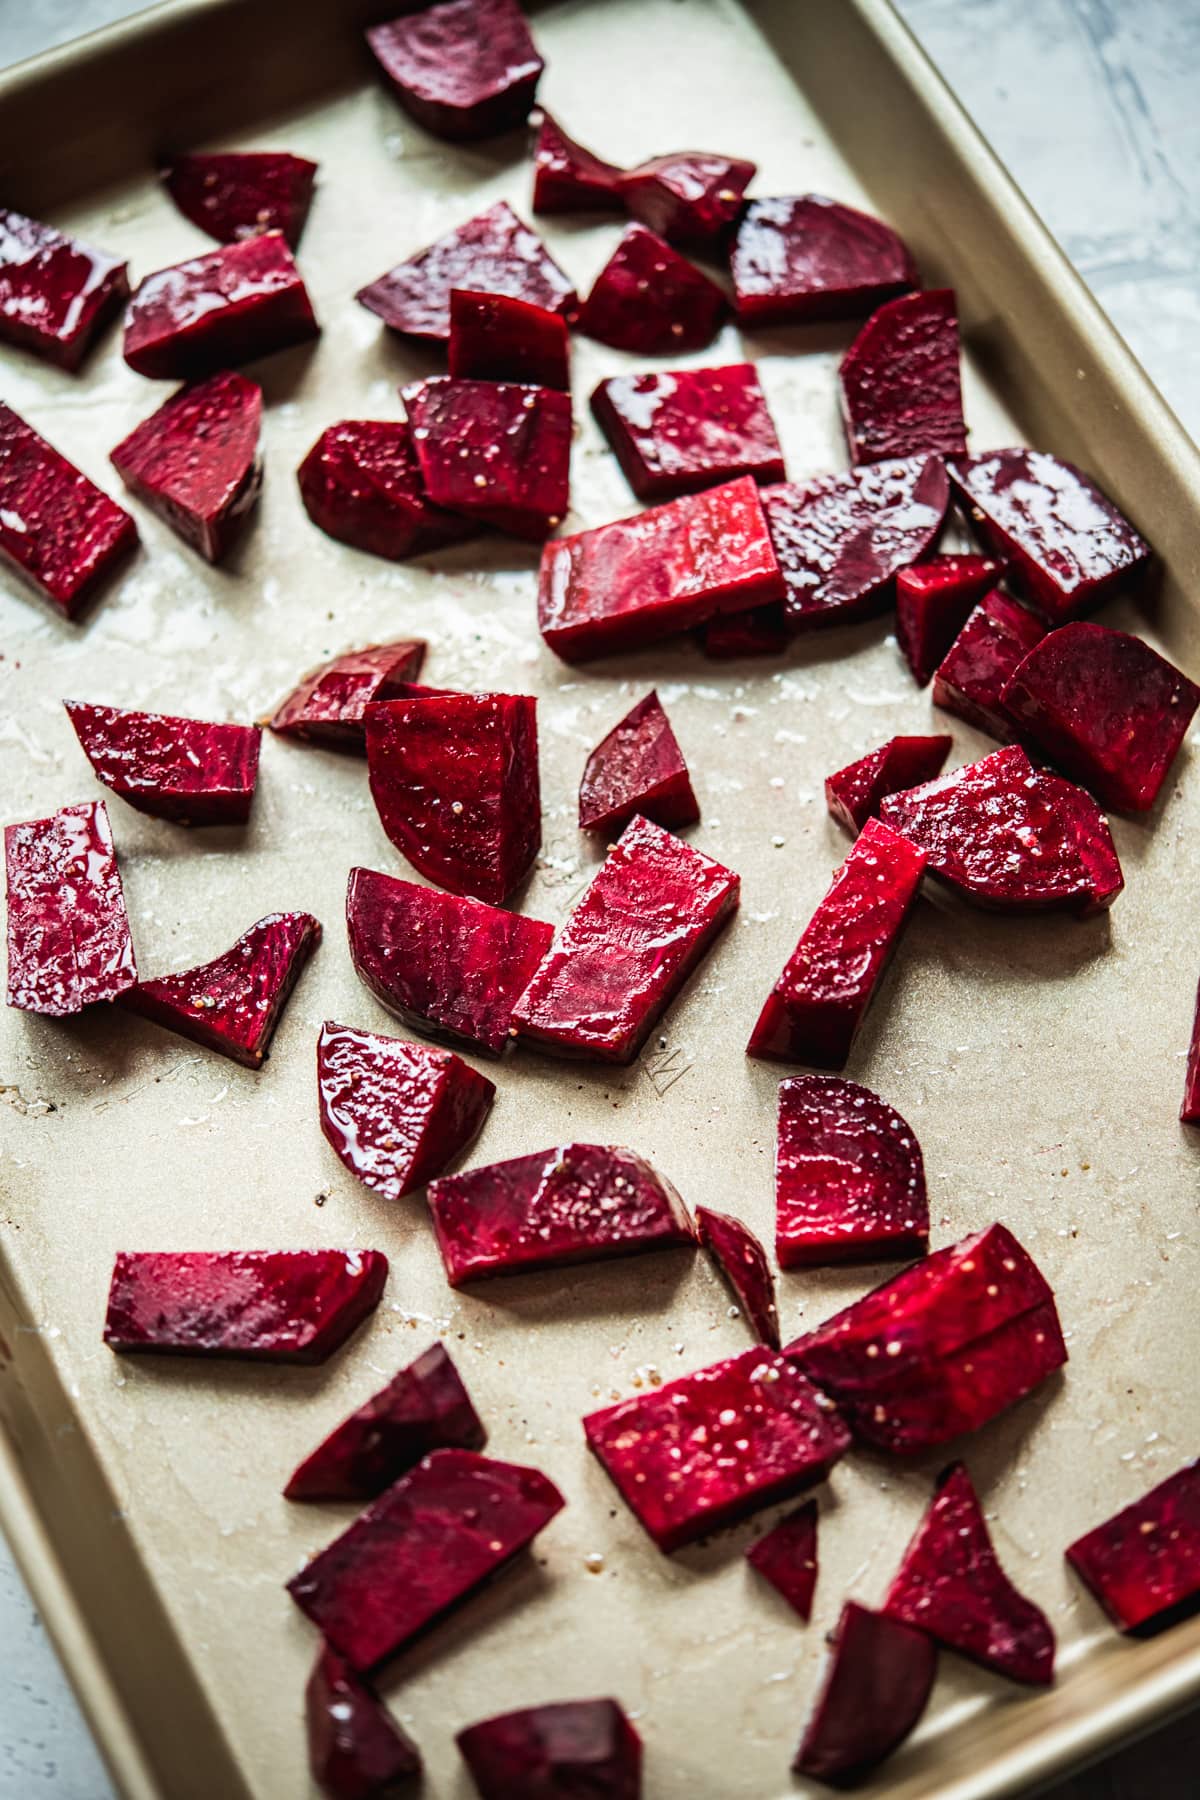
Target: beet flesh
{"points": [[495, 451], [186, 770], [900, 384], [805, 257], [853, 794], [568, 178], [68, 931], [195, 462], [849, 1176], [361, 483], [651, 913], [56, 294], [877, 1685], [497, 337], [743, 1263], [1143, 1564], [356, 1750], [760, 631], [637, 768], [227, 306], [934, 600], [237, 194], [787, 1557], [972, 676], [1189, 1111], [690, 197], [328, 706], [58, 531], [688, 428], [649, 299], [464, 69], [573, 1750]]}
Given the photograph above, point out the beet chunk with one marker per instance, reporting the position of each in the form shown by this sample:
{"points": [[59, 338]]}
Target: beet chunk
{"points": [[676, 432], [853, 794], [294, 1306], [1189, 1112], [228, 306], [448, 966], [57, 529], [934, 600], [455, 780], [743, 1262], [424, 1545], [425, 1407], [841, 540], [56, 294], [812, 258], [1144, 1563], [361, 483], [900, 385], [568, 178], [496, 337], [185, 770], [328, 706], [951, 1586], [787, 1558], [877, 1685], [849, 1176], [649, 299], [637, 768], [195, 462], [68, 932], [760, 631], [649, 916], [690, 197], [813, 1012], [496, 451], [493, 253], [973, 674], [573, 1750], [238, 194], [356, 1750], [465, 69], [1106, 708], [630, 583]]}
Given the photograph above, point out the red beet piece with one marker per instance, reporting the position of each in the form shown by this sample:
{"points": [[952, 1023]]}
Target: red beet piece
{"points": [[293, 1306], [951, 1585], [941, 1348], [759, 632], [1009, 836], [68, 932], [853, 793], [574, 1750], [649, 299], [934, 599], [239, 194], [787, 1558], [425, 1407], [877, 1685], [428, 1542], [328, 706], [1106, 708], [630, 583], [455, 779], [448, 966], [651, 913], [361, 484], [690, 197], [813, 1012], [674, 433], [976, 669], [708, 1448], [465, 69], [811, 258], [1068, 546], [356, 1750], [900, 385], [637, 768], [1143, 1564], [496, 337], [232, 1004], [743, 1262], [57, 529], [568, 178], [227, 306], [1189, 1112], [849, 1176], [842, 540], [185, 770], [56, 294], [493, 253], [495, 451], [195, 462]]}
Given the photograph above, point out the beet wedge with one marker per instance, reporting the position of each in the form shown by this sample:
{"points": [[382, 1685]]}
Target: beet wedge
{"points": [[709, 1448], [498, 452], [649, 299], [652, 912], [690, 197], [497, 337], [689, 429], [186, 770], [900, 384], [226, 307], [237, 194], [328, 706], [464, 69], [455, 780], [295, 1306], [853, 794], [877, 1684], [361, 484], [1143, 1564], [952, 1587], [58, 531], [56, 294], [801, 258], [972, 676], [934, 600], [233, 1004], [568, 178], [425, 1407], [742, 1261], [814, 1011], [195, 462], [356, 1750], [68, 931], [637, 768], [425, 1544], [787, 1557], [575, 1748], [849, 1176]]}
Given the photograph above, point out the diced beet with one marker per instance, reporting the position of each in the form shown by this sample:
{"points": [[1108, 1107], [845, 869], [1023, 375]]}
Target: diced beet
{"points": [[630, 583], [637, 768], [1010, 836], [573, 1750], [877, 1685], [455, 780], [425, 1544], [186, 770], [743, 1262], [464, 69], [227, 306], [56, 294], [951, 1585], [195, 462], [853, 794], [849, 1176], [1143, 1564], [68, 932], [57, 529], [649, 299], [577, 1203], [900, 385], [238, 194], [812, 258], [1068, 546], [651, 913], [1106, 708], [232, 1004], [974, 672], [328, 706], [356, 1750], [448, 966], [425, 1407], [761, 631], [842, 540], [293, 1306], [690, 197], [787, 1558], [493, 253], [497, 337], [361, 484], [568, 178], [679, 431], [813, 1012], [934, 600], [1189, 1112], [494, 450]]}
